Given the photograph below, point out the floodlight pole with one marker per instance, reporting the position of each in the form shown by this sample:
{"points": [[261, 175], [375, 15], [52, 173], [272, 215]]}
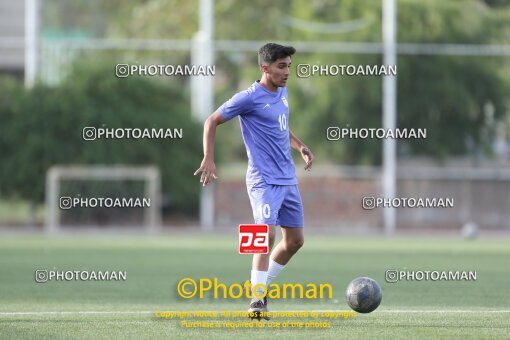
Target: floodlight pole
{"points": [[31, 41], [31, 44], [202, 95], [389, 182]]}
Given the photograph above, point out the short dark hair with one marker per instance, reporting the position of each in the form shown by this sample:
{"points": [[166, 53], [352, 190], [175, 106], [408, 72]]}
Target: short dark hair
{"points": [[271, 52]]}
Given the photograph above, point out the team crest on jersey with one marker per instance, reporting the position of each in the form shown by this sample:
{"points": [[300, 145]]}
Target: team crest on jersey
{"points": [[284, 100]]}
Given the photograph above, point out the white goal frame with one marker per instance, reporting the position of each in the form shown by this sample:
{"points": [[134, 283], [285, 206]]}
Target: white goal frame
{"points": [[149, 174]]}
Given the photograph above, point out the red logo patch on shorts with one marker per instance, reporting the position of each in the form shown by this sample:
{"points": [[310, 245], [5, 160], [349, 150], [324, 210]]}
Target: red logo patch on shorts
{"points": [[253, 239]]}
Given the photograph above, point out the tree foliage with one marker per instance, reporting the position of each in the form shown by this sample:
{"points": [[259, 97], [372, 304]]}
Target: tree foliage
{"points": [[457, 99], [43, 127]]}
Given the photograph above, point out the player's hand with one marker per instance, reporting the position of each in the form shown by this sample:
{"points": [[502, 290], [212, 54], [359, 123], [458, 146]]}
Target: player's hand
{"points": [[308, 157], [208, 170]]}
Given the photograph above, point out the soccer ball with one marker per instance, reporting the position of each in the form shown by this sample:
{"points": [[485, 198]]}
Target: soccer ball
{"points": [[363, 295], [470, 230]]}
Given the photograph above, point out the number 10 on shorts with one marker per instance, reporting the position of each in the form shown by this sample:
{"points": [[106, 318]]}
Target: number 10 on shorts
{"points": [[253, 239]]}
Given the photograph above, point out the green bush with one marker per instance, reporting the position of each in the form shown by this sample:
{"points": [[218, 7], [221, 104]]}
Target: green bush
{"points": [[43, 127]]}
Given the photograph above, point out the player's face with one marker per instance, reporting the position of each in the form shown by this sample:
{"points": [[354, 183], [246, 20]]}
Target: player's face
{"points": [[278, 72]]}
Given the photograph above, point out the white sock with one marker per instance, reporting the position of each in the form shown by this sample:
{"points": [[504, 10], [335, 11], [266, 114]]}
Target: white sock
{"points": [[257, 277], [274, 270]]}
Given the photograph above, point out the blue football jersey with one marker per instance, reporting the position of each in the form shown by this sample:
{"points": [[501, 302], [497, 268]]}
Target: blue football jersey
{"points": [[264, 119]]}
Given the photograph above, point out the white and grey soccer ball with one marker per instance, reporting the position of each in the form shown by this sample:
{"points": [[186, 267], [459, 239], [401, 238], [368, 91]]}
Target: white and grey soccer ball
{"points": [[470, 230], [363, 295]]}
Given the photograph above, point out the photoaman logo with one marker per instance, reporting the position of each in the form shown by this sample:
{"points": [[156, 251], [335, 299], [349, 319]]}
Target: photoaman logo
{"points": [[188, 288], [253, 239]]}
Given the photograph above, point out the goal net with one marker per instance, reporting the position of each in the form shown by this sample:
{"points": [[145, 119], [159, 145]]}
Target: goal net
{"points": [[103, 196]]}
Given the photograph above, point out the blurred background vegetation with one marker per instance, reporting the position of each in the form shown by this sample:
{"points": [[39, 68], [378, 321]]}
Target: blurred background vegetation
{"points": [[462, 101]]}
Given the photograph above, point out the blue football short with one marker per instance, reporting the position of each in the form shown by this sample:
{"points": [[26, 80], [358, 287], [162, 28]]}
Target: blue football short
{"points": [[276, 204]]}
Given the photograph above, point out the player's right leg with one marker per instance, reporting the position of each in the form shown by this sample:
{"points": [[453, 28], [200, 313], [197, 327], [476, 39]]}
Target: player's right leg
{"points": [[265, 201], [261, 261], [260, 266]]}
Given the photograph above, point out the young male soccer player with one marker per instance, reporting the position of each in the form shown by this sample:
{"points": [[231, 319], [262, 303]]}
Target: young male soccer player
{"points": [[263, 112]]}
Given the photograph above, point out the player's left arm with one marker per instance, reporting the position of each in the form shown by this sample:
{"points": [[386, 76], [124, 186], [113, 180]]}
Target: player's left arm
{"points": [[306, 153]]}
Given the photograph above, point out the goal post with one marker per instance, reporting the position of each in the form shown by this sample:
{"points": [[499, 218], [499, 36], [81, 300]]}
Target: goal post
{"points": [[108, 180]]}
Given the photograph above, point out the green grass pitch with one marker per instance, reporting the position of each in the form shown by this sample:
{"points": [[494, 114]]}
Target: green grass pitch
{"points": [[116, 309]]}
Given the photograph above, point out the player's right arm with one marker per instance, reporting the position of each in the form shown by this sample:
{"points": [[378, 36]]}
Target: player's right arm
{"points": [[207, 167], [238, 104]]}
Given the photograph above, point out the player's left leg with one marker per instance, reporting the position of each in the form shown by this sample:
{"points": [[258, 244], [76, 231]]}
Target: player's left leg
{"points": [[292, 240]]}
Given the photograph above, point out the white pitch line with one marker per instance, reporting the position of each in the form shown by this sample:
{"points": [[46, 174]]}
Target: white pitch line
{"points": [[426, 311], [76, 312], [285, 311], [444, 311]]}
